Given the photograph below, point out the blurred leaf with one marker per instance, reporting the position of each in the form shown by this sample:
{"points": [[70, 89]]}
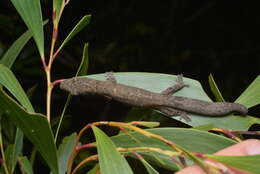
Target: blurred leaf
{"points": [[251, 96], [110, 160], [215, 90], [57, 5], [8, 152], [9, 81], [12, 53], [35, 127], [94, 170], [82, 70], [249, 163], [157, 82], [148, 167], [189, 139], [80, 25], [26, 165], [30, 11], [83, 67], [64, 152], [17, 150]]}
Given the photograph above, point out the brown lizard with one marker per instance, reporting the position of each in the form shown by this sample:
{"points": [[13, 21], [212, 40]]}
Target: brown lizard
{"points": [[164, 101]]}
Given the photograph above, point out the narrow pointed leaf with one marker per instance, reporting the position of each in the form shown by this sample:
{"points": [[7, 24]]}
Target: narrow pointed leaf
{"points": [[64, 152], [57, 5], [149, 168], [248, 163], [26, 165], [215, 90], [110, 160], [30, 12], [83, 67], [82, 70], [17, 150], [12, 53], [80, 25], [251, 96], [9, 81], [35, 127]]}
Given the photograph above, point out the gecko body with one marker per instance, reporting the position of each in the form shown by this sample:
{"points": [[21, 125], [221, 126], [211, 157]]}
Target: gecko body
{"points": [[164, 101]]}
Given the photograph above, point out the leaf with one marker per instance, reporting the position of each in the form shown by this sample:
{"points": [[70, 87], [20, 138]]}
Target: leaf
{"points": [[80, 25], [251, 96], [12, 53], [57, 6], [249, 163], [189, 139], [26, 165], [157, 82], [94, 170], [110, 160], [17, 150], [9, 81], [35, 127], [83, 67], [65, 150], [82, 70], [30, 12], [215, 90], [148, 167]]}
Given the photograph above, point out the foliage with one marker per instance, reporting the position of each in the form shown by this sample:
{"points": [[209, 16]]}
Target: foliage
{"points": [[168, 148]]}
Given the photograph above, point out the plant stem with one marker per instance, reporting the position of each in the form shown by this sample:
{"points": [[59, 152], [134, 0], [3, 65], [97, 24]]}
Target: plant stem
{"points": [[49, 91]]}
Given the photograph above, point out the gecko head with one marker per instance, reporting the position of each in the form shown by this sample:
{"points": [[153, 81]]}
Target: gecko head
{"points": [[69, 85]]}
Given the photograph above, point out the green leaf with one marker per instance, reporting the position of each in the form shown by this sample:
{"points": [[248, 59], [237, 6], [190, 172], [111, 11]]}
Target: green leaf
{"points": [[82, 70], [215, 90], [35, 127], [57, 6], [251, 96], [83, 67], [249, 163], [94, 170], [148, 167], [12, 53], [189, 139], [80, 25], [26, 165], [9, 81], [65, 150], [30, 12], [17, 150], [157, 82], [110, 160]]}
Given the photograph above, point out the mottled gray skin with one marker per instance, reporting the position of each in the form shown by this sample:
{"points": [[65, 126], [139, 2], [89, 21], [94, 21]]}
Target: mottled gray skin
{"points": [[165, 102]]}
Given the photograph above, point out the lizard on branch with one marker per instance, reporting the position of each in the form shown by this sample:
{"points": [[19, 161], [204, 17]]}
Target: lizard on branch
{"points": [[164, 101]]}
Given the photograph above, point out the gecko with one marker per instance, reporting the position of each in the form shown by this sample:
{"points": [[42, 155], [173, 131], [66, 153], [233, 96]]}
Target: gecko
{"points": [[165, 102]]}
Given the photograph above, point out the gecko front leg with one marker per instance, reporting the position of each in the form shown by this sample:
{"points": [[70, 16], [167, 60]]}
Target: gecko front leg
{"points": [[169, 91], [178, 86], [110, 77]]}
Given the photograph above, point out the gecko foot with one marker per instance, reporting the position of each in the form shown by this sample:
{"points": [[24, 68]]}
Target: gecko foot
{"points": [[110, 77], [178, 86], [184, 116], [174, 112]]}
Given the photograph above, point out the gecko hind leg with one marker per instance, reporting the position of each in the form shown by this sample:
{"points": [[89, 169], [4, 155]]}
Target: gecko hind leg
{"points": [[174, 112], [178, 86], [110, 77]]}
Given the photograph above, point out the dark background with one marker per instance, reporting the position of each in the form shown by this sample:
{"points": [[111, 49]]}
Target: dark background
{"points": [[194, 38]]}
